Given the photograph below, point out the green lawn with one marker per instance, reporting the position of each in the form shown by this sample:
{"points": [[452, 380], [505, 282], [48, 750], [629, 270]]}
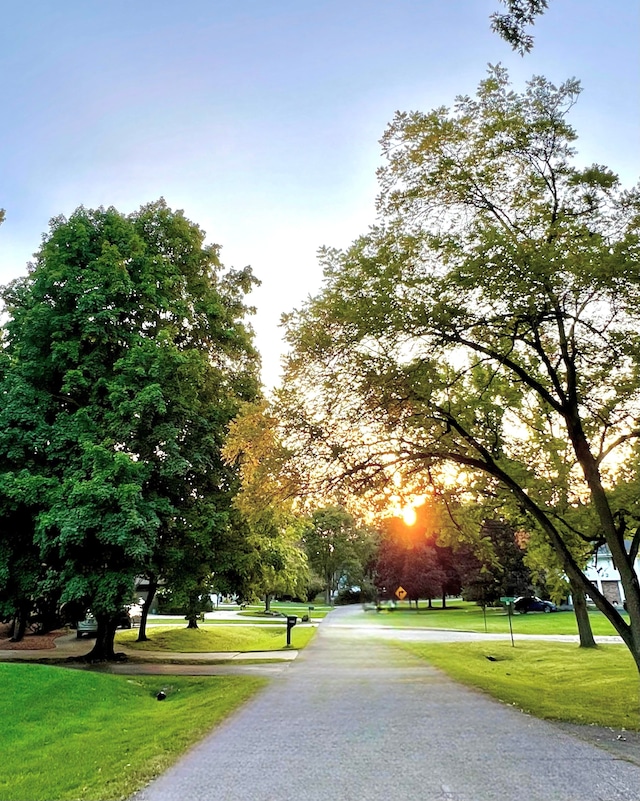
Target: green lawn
{"points": [[216, 638], [69, 734], [556, 681], [318, 612], [231, 621], [463, 616]]}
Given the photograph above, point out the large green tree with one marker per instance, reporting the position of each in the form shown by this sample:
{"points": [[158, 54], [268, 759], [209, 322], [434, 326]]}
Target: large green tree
{"points": [[489, 322], [339, 549], [275, 562], [502, 570], [126, 355]]}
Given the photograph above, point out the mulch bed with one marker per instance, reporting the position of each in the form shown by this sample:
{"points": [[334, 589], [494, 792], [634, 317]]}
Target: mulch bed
{"points": [[30, 642]]}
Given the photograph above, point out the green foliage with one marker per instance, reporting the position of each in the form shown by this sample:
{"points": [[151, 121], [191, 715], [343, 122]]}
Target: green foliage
{"points": [[338, 549], [415, 569], [255, 446], [366, 594], [315, 587], [512, 25], [505, 573], [485, 333], [177, 602], [126, 356], [276, 564]]}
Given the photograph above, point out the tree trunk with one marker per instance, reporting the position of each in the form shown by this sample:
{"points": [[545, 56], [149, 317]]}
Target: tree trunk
{"points": [[444, 601], [48, 618], [146, 606], [267, 602], [430, 604], [103, 650], [629, 632], [582, 616], [623, 561], [19, 626], [193, 621]]}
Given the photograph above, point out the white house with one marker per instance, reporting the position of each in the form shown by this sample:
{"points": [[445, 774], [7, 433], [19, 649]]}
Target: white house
{"points": [[601, 572]]}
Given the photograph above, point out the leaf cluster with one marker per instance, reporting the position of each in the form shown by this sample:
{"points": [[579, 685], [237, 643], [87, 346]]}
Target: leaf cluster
{"points": [[485, 331], [126, 354]]}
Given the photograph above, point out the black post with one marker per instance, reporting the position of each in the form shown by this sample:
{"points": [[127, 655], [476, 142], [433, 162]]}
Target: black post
{"points": [[291, 622]]}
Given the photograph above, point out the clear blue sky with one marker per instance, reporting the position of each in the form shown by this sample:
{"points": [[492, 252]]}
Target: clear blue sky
{"points": [[261, 118]]}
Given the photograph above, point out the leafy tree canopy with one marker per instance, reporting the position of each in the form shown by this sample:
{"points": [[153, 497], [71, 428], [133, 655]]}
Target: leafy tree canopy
{"points": [[339, 549], [126, 355], [488, 322], [512, 25]]}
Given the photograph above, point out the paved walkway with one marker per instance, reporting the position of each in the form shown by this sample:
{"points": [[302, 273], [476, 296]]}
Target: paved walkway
{"points": [[70, 647], [361, 721]]}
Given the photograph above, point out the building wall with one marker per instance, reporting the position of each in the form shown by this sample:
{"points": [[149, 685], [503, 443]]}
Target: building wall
{"points": [[602, 573]]}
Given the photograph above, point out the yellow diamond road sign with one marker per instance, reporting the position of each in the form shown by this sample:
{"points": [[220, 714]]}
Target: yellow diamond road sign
{"points": [[401, 593]]}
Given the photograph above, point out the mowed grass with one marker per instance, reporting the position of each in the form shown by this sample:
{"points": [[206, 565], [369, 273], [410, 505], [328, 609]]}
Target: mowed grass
{"points": [[318, 612], [217, 638], [255, 611], [212, 621], [462, 616], [70, 735], [556, 681]]}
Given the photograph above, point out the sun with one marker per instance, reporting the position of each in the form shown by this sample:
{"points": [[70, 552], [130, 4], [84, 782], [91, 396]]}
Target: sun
{"points": [[408, 514]]}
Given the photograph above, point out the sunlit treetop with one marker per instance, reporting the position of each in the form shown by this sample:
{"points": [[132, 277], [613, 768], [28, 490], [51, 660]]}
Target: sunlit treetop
{"points": [[512, 26], [490, 320]]}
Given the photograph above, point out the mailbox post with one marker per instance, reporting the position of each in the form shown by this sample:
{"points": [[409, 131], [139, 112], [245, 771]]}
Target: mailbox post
{"points": [[291, 622]]}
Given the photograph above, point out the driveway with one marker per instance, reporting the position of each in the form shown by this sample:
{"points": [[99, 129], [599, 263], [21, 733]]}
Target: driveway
{"points": [[356, 720]]}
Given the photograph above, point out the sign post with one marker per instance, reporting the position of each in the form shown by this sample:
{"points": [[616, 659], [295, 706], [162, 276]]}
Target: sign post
{"points": [[508, 600]]}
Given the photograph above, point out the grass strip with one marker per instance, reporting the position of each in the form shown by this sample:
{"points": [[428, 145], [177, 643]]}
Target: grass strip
{"points": [[212, 621], [469, 617], [555, 681], [317, 612], [70, 735], [217, 638]]}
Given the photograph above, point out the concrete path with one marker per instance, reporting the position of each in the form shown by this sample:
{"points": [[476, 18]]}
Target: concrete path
{"points": [[70, 647], [357, 720]]}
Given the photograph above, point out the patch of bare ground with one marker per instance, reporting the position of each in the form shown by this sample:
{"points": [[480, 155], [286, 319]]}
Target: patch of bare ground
{"points": [[30, 642], [621, 743]]}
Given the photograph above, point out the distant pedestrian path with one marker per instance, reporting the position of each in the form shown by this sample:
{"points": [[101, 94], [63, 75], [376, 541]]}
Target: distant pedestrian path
{"points": [[354, 719]]}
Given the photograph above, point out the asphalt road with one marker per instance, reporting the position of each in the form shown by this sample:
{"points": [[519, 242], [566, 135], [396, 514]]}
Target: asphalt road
{"points": [[356, 720]]}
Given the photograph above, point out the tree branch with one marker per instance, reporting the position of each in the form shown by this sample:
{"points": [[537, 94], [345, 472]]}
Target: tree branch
{"points": [[523, 374], [620, 441]]}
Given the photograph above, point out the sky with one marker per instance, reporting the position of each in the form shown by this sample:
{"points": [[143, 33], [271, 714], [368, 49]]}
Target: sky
{"points": [[261, 119]]}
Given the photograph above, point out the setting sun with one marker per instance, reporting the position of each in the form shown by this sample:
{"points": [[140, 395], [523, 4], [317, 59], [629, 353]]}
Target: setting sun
{"points": [[408, 514]]}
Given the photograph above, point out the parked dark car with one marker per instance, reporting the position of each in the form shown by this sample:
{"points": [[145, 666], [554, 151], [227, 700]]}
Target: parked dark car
{"points": [[533, 604]]}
